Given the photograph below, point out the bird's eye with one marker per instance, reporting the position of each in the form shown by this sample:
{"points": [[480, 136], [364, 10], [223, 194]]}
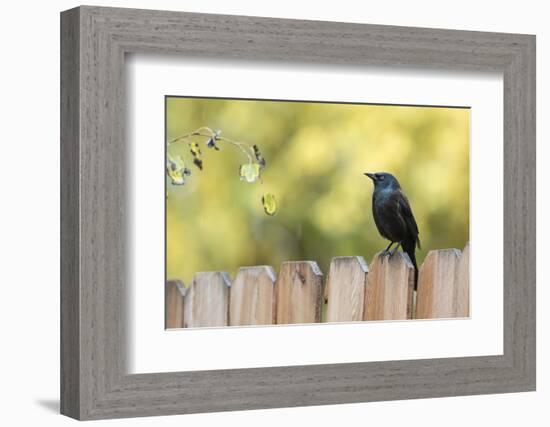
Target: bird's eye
{"points": [[380, 177]]}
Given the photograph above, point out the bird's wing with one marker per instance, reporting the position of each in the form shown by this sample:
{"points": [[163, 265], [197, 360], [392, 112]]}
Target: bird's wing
{"points": [[406, 214]]}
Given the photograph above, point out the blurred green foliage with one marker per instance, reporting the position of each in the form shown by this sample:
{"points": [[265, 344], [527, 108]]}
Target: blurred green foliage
{"points": [[316, 154]]}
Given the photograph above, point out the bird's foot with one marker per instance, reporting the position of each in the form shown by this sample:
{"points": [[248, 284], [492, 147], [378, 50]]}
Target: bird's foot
{"points": [[386, 251], [393, 251]]}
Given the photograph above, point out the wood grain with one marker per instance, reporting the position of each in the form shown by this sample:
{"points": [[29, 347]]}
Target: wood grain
{"points": [[71, 315], [462, 284], [173, 304], [95, 378], [207, 300], [390, 287], [345, 289], [439, 289], [252, 300], [299, 291]]}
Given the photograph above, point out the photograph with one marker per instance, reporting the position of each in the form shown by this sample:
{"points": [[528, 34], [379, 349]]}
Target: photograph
{"points": [[284, 212]]}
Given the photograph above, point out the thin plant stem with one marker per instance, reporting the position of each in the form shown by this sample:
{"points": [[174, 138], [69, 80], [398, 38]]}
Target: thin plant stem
{"points": [[206, 131], [240, 145], [191, 134]]}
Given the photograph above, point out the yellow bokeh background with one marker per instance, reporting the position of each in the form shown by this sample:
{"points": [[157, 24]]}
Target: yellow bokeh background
{"points": [[316, 154]]}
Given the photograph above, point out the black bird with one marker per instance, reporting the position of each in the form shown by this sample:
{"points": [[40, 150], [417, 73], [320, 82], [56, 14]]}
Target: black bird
{"points": [[393, 216]]}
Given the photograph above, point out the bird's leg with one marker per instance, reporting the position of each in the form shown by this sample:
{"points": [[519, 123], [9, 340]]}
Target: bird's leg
{"points": [[395, 249], [385, 251]]}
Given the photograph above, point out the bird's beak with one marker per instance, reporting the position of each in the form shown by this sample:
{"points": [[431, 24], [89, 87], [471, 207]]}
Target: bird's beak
{"points": [[370, 175]]}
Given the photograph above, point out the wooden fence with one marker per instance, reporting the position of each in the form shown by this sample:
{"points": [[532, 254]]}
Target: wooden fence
{"points": [[353, 291]]}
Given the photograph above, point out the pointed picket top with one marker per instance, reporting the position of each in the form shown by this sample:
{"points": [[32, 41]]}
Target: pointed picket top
{"points": [[252, 297], [390, 287], [299, 292], [437, 285], [345, 289], [207, 300], [174, 294]]}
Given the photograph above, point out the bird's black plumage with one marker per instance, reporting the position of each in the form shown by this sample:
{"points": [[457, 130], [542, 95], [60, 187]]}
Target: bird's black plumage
{"points": [[393, 216]]}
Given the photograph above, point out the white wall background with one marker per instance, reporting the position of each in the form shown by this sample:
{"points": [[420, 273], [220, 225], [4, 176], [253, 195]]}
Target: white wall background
{"points": [[29, 214]]}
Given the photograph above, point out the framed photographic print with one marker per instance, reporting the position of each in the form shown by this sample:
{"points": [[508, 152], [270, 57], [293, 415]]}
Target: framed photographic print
{"points": [[261, 213]]}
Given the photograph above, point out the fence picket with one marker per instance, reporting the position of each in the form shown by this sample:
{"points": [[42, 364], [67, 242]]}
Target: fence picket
{"points": [[390, 287], [440, 291], [462, 287], [299, 292], [174, 300], [207, 300], [252, 297], [345, 289]]}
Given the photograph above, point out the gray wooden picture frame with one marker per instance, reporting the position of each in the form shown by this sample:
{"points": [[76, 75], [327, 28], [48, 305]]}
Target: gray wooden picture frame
{"points": [[94, 41]]}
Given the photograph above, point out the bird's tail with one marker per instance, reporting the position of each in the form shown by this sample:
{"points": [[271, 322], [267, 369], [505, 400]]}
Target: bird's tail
{"points": [[409, 248]]}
